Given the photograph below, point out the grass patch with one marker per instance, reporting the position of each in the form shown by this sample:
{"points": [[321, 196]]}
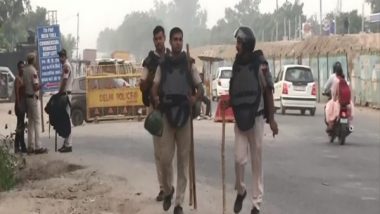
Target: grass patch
{"points": [[7, 170]]}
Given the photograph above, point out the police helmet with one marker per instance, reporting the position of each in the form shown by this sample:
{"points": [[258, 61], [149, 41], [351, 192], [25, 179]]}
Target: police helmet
{"points": [[153, 123], [247, 37]]}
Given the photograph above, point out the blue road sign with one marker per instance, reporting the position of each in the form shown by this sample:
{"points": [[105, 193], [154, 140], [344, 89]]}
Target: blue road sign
{"points": [[49, 43]]}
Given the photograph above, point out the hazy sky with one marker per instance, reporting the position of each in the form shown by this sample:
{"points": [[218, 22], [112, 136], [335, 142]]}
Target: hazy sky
{"points": [[95, 15]]}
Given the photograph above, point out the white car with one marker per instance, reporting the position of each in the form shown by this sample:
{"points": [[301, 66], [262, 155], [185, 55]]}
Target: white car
{"points": [[295, 88], [221, 82], [7, 80]]}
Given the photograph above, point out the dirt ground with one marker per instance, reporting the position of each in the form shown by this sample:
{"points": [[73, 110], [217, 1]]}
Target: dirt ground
{"points": [[49, 185], [72, 184]]}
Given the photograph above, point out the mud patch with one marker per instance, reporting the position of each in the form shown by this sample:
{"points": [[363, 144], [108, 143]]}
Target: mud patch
{"points": [[42, 170]]}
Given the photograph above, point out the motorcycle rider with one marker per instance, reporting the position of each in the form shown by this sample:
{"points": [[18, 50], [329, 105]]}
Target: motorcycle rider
{"points": [[333, 105], [328, 84]]}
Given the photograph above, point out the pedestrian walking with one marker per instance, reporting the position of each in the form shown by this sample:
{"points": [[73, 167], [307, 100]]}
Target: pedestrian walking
{"points": [[175, 82], [150, 65], [251, 99]]}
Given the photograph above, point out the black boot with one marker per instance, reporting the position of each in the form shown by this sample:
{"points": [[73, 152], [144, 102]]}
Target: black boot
{"points": [[255, 211], [160, 196], [178, 210], [239, 202], [168, 200]]}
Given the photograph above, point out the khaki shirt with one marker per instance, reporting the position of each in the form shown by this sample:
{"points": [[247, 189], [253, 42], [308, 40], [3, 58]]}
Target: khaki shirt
{"points": [[30, 79], [67, 74]]}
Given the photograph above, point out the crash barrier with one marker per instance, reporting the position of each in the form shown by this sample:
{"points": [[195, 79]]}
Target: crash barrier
{"points": [[113, 92], [229, 115]]}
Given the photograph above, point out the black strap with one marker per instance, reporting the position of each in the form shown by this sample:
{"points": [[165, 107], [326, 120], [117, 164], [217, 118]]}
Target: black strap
{"points": [[260, 113], [31, 96]]}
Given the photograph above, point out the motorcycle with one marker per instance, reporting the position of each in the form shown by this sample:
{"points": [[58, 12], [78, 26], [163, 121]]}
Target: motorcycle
{"points": [[341, 127]]}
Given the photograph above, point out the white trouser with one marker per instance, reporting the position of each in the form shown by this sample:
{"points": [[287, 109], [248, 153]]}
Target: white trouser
{"points": [[34, 123], [68, 141], [250, 141]]}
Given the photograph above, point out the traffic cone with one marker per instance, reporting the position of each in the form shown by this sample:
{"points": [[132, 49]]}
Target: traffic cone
{"points": [[229, 115]]}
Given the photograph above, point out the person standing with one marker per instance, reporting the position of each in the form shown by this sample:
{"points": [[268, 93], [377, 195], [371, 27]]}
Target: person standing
{"points": [[20, 108], [150, 65], [32, 88], [174, 87], [207, 102], [251, 99], [65, 90]]}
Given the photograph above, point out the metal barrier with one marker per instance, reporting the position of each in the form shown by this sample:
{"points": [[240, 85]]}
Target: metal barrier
{"points": [[113, 92]]}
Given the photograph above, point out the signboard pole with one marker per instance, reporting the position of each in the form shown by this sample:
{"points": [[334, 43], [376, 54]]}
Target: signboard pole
{"points": [[41, 96], [42, 111]]}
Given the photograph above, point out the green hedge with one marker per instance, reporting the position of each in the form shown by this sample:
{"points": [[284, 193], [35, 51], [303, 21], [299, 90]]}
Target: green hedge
{"points": [[7, 169]]}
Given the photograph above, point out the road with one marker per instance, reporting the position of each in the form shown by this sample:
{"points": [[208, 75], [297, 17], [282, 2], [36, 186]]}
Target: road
{"points": [[303, 173]]}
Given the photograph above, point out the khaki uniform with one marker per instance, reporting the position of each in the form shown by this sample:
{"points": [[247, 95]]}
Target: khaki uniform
{"points": [[67, 74], [250, 142], [144, 76], [172, 138], [30, 78]]}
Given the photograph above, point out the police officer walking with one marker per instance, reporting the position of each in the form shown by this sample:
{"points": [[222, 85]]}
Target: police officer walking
{"points": [[20, 108], [150, 65], [175, 81], [251, 99], [65, 89], [32, 88]]}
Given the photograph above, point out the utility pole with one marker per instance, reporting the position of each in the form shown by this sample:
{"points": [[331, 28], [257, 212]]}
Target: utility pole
{"points": [[276, 30], [276, 5], [78, 72], [300, 26], [363, 17], [289, 32], [295, 27], [78, 37], [320, 15], [284, 28]]}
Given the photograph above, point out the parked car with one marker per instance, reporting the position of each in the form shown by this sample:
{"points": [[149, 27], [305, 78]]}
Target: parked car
{"points": [[7, 80], [78, 101], [221, 82], [295, 88]]}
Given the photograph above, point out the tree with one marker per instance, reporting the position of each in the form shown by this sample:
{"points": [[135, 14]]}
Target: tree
{"points": [[247, 13], [186, 14], [69, 43], [106, 40], [13, 9], [133, 35], [354, 19], [15, 30], [375, 5]]}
